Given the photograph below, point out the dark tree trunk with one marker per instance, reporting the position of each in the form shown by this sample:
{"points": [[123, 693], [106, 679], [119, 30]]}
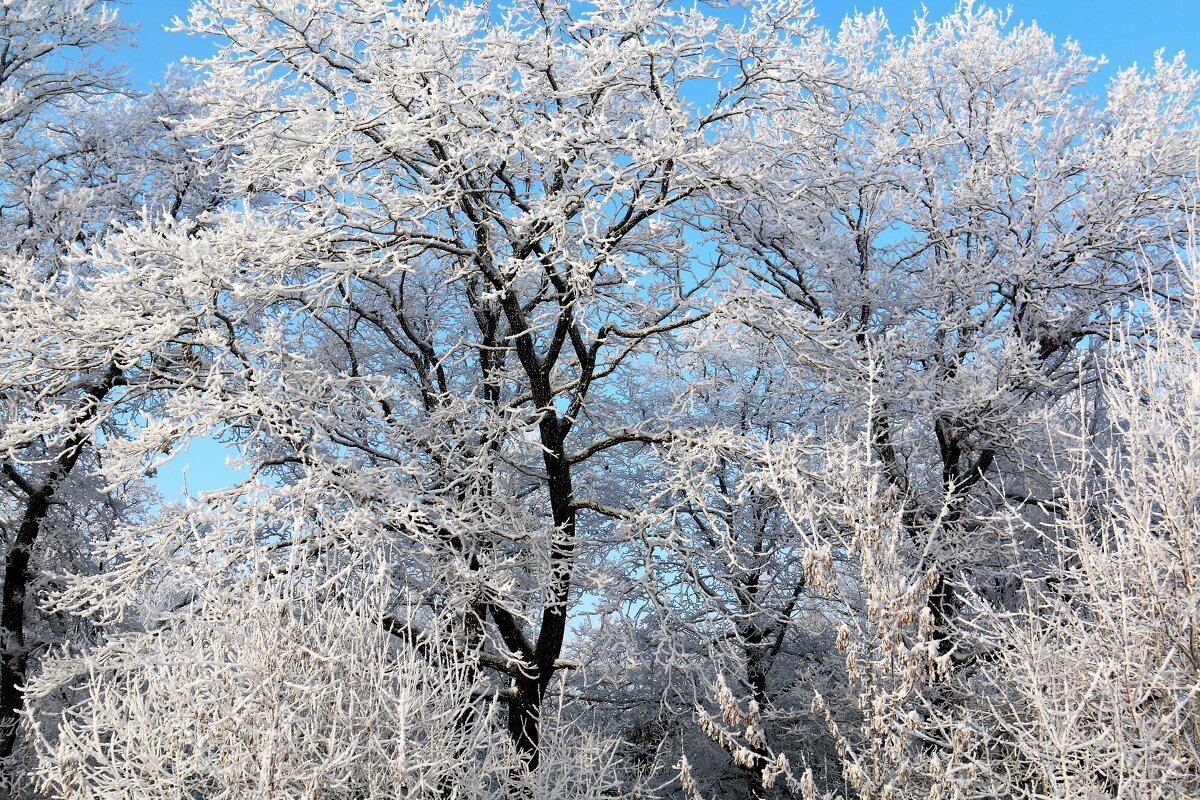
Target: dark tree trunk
{"points": [[524, 720], [524, 715], [12, 616], [757, 665], [17, 572]]}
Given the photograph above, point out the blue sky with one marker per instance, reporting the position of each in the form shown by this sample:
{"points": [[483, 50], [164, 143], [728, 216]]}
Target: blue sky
{"points": [[1125, 32]]}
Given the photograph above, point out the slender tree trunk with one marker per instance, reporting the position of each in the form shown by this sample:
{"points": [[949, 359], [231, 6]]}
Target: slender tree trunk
{"points": [[524, 720], [524, 716], [15, 656], [12, 616], [756, 674]]}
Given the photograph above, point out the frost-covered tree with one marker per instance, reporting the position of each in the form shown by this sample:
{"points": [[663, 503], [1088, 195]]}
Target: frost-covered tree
{"points": [[947, 228], [467, 226], [38, 77], [736, 336], [1094, 680], [941, 233], [712, 572], [75, 158]]}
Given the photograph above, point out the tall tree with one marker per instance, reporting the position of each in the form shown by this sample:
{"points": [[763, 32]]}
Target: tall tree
{"points": [[80, 156], [469, 223], [49, 71], [947, 231]]}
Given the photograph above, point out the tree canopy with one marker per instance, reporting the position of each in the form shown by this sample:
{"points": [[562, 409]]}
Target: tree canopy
{"points": [[631, 398]]}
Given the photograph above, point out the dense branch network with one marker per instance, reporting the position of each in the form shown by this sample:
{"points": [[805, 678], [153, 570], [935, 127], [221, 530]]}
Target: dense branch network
{"points": [[766, 398]]}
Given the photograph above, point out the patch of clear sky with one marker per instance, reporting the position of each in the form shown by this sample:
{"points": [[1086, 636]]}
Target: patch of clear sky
{"points": [[1124, 32]]}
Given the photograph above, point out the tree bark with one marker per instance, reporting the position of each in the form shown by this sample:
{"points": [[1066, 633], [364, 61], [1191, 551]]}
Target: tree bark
{"points": [[17, 572]]}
